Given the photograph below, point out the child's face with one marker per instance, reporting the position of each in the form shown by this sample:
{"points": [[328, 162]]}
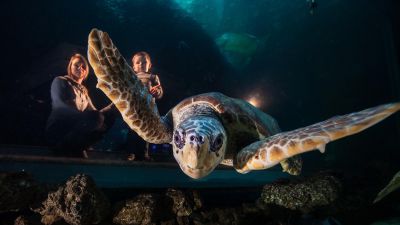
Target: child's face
{"points": [[140, 64]]}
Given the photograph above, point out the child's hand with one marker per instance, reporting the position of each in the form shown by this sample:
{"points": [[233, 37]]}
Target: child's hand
{"points": [[154, 91]]}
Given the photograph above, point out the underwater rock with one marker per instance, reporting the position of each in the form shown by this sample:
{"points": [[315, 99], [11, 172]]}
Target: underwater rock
{"points": [[21, 221], [198, 202], [247, 213], [175, 207], [259, 211], [183, 220], [223, 216], [184, 205], [304, 195], [30, 220], [78, 202], [17, 191], [168, 222], [143, 209]]}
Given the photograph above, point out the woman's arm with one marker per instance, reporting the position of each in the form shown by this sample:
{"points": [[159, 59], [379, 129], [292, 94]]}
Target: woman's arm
{"points": [[62, 94]]}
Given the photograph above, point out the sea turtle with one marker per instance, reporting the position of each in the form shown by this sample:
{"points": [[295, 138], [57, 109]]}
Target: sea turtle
{"points": [[208, 129]]}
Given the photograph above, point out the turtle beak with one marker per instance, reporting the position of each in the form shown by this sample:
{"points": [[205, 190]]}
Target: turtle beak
{"points": [[196, 154]]}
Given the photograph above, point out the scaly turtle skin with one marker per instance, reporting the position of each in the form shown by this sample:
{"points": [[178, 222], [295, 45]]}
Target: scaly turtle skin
{"points": [[208, 129]]}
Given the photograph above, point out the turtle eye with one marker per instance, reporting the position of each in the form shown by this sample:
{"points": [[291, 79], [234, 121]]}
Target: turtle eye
{"points": [[179, 139], [217, 143]]}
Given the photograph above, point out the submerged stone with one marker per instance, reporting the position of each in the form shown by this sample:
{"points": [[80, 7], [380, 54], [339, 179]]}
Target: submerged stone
{"points": [[184, 204], [143, 209], [78, 202], [304, 195]]}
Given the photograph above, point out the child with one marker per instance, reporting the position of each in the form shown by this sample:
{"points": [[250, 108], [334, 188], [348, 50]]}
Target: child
{"points": [[141, 64]]}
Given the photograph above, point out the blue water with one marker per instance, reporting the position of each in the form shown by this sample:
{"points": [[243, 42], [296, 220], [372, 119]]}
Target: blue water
{"points": [[301, 67], [137, 175], [307, 67]]}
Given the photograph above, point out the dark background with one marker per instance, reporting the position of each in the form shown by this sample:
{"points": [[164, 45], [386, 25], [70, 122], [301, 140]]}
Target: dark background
{"points": [[342, 58]]}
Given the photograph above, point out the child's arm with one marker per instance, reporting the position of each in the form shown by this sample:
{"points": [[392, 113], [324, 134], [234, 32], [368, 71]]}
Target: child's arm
{"points": [[156, 89]]}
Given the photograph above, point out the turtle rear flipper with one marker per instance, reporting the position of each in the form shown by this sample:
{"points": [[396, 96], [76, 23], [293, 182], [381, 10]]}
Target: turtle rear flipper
{"points": [[292, 165], [270, 151], [118, 81]]}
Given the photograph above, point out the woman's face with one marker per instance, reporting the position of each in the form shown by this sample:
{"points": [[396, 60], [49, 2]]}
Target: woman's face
{"points": [[78, 69], [140, 64]]}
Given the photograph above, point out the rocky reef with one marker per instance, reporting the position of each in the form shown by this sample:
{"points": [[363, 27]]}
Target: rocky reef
{"points": [[303, 194], [143, 209], [78, 202], [318, 199]]}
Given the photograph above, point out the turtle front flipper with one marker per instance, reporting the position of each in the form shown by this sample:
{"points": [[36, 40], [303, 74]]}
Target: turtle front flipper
{"points": [[272, 150], [118, 81]]}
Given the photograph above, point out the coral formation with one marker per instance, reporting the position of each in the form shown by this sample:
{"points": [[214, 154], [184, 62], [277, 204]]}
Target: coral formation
{"points": [[184, 205], [297, 201], [143, 209], [78, 202], [175, 206], [305, 194]]}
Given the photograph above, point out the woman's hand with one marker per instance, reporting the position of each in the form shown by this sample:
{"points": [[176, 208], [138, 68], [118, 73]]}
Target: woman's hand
{"points": [[107, 108]]}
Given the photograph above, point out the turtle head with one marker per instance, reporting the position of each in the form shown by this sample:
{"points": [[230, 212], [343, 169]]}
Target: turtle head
{"points": [[199, 145]]}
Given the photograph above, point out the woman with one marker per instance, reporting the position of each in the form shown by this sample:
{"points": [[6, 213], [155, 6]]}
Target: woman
{"points": [[74, 122]]}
